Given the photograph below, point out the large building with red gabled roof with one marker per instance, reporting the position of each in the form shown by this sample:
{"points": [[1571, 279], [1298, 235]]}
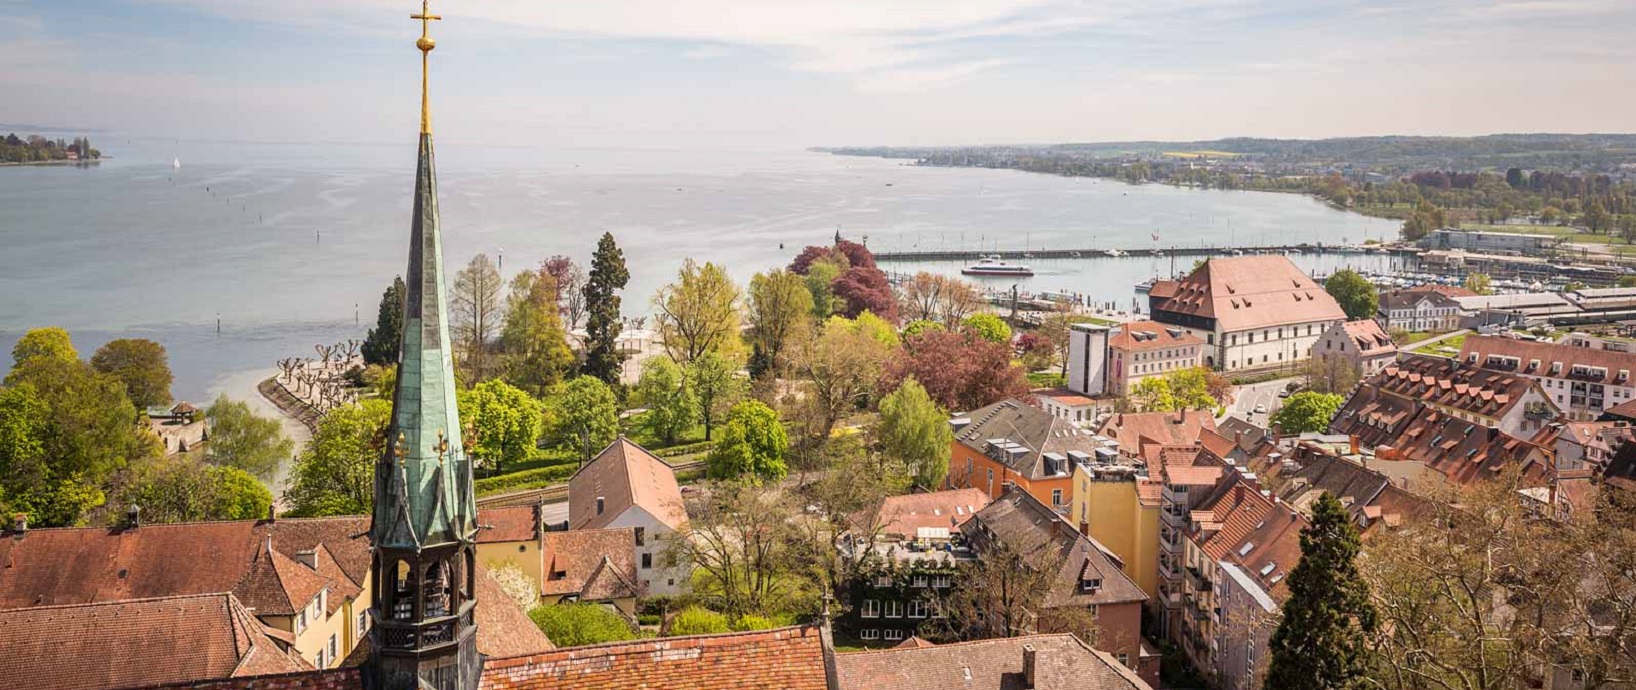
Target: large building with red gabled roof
{"points": [[1254, 313], [625, 486]]}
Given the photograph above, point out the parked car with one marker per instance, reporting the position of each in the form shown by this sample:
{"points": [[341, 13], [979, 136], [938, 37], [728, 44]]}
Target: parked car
{"points": [[1260, 409]]}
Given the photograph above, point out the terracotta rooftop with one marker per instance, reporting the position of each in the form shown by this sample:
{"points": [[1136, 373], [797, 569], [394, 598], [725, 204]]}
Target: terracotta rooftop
{"points": [[1408, 299], [1036, 432], [1065, 396], [624, 475], [1550, 360], [1169, 428], [1462, 452], [1368, 337], [1247, 292], [785, 658], [1061, 662], [507, 524], [1020, 519], [1142, 336], [136, 642], [901, 516], [1444, 382], [1444, 290], [1249, 529], [593, 564]]}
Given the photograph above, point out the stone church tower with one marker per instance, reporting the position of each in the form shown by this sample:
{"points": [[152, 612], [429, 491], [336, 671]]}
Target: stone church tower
{"points": [[424, 527]]}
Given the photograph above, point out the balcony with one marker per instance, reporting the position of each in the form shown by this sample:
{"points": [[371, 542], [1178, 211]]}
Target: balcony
{"points": [[433, 633]]}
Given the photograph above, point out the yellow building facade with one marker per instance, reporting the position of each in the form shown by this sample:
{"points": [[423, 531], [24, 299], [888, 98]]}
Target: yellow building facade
{"points": [[1111, 508]]}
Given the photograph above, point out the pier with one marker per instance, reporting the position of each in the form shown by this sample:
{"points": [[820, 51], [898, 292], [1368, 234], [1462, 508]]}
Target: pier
{"points": [[973, 254]]}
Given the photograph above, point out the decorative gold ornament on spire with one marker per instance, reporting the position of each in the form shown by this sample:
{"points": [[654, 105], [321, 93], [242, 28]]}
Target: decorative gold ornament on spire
{"points": [[425, 44]]}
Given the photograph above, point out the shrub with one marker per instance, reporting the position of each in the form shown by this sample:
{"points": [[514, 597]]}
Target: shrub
{"points": [[572, 625], [697, 620], [526, 479], [754, 622]]}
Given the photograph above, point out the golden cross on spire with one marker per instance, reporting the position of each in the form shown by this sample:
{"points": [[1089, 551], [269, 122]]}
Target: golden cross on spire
{"points": [[425, 44]]}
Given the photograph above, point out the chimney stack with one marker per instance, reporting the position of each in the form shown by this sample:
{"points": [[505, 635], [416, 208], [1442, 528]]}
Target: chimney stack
{"points": [[272, 513], [133, 516], [1354, 441], [19, 524], [1029, 662]]}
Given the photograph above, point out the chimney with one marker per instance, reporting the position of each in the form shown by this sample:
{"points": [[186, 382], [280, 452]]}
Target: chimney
{"points": [[1354, 441], [272, 513], [1029, 662], [1238, 438], [19, 524], [308, 557], [133, 516]]}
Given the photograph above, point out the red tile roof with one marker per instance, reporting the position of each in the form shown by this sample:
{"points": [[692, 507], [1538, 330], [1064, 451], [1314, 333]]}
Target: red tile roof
{"points": [[509, 523], [1061, 662], [1142, 336], [901, 516], [1552, 360], [1368, 337], [136, 642], [503, 628], [1255, 532], [347, 678], [1447, 383], [594, 564], [1247, 292], [785, 658], [1169, 428], [624, 475]]}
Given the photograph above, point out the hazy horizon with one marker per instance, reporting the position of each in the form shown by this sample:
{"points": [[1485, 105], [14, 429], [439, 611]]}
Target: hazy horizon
{"points": [[742, 73]]}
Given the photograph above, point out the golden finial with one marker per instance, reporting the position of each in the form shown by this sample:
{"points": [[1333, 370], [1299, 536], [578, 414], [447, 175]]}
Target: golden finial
{"points": [[399, 450], [425, 44], [442, 446]]}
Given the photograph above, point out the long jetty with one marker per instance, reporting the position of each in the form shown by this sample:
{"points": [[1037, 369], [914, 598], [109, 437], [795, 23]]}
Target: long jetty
{"points": [[968, 254]]}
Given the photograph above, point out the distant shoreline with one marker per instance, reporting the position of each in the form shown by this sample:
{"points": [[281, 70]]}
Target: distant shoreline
{"points": [[9, 164]]}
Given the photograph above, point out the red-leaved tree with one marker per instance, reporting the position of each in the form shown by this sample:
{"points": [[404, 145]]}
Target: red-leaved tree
{"points": [[866, 289], [960, 372]]}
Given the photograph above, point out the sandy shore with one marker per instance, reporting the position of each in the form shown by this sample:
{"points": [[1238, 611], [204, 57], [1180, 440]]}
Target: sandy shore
{"points": [[241, 386]]}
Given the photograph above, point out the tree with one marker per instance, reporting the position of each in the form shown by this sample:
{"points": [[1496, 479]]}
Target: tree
{"points": [[1331, 374], [1425, 219], [1307, 411], [753, 444], [335, 473], [958, 370], [180, 489], [603, 359], [916, 432], [779, 313], [1356, 295], [842, 365], [475, 310], [745, 549], [1479, 283], [1002, 593], [914, 328], [820, 278], [988, 327], [1036, 352], [382, 343], [239, 438], [699, 312], [715, 387], [533, 339], [569, 280], [698, 620], [506, 421], [50, 342], [141, 365], [663, 390], [939, 298], [587, 416], [1056, 327], [1184, 389], [866, 289], [1323, 640], [580, 623], [65, 428]]}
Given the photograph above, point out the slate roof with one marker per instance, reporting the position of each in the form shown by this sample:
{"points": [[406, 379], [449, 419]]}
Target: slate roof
{"points": [[1061, 662], [136, 642], [786, 658], [1020, 519], [1035, 429], [596, 564], [1170, 428], [1247, 292], [624, 475], [1552, 360], [901, 516]]}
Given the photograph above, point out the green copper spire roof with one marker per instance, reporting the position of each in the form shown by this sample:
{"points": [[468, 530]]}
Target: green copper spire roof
{"points": [[423, 485]]}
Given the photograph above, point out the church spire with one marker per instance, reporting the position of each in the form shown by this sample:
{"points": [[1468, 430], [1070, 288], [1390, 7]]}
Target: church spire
{"points": [[424, 525]]}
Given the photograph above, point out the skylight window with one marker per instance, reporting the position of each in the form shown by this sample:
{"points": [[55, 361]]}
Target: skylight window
{"points": [[1246, 548], [1268, 568]]}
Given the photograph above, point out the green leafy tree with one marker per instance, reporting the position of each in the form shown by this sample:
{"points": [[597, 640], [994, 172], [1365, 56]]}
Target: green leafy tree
{"points": [[65, 428], [535, 344], [753, 444], [1307, 411], [663, 390], [381, 345], [141, 365], [577, 624], [988, 327], [334, 474], [506, 421], [915, 431], [698, 620], [180, 489], [914, 328], [587, 416], [1425, 219], [1323, 640], [50, 342], [716, 388], [1480, 283], [699, 312], [1356, 295], [239, 438], [876, 328], [603, 359], [819, 277], [780, 309], [1184, 389]]}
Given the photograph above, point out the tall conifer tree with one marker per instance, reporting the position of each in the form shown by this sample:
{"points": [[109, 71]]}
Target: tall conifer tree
{"points": [[1322, 642], [603, 359]]}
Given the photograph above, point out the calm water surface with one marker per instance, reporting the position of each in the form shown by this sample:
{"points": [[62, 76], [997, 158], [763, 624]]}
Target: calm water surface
{"points": [[288, 243]]}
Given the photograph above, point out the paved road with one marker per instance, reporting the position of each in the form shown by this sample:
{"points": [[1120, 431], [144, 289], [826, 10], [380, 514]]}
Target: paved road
{"points": [[1246, 397]]}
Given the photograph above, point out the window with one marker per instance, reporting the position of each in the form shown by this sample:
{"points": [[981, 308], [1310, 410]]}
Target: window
{"points": [[941, 581], [894, 635], [917, 609], [319, 661], [600, 504], [869, 634], [894, 609], [1124, 660], [920, 581], [300, 622], [871, 608], [1056, 497], [647, 561], [333, 652], [641, 536], [363, 624], [883, 580], [1090, 584]]}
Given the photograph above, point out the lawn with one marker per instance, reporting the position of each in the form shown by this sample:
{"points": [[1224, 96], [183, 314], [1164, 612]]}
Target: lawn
{"points": [[1096, 320], [1417, 336], [1569, 234], [1442, 348]]}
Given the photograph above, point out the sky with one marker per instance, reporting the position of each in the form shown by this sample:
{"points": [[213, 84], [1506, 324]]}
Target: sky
{"points": [[793, 74]]}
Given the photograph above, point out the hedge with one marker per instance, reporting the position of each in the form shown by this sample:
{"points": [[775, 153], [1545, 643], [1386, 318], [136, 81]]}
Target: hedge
{"points": [[526, 479], [684, 449]]}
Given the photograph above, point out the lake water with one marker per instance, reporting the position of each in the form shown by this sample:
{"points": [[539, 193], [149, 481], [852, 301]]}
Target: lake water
{"points": [[291, 244]]}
